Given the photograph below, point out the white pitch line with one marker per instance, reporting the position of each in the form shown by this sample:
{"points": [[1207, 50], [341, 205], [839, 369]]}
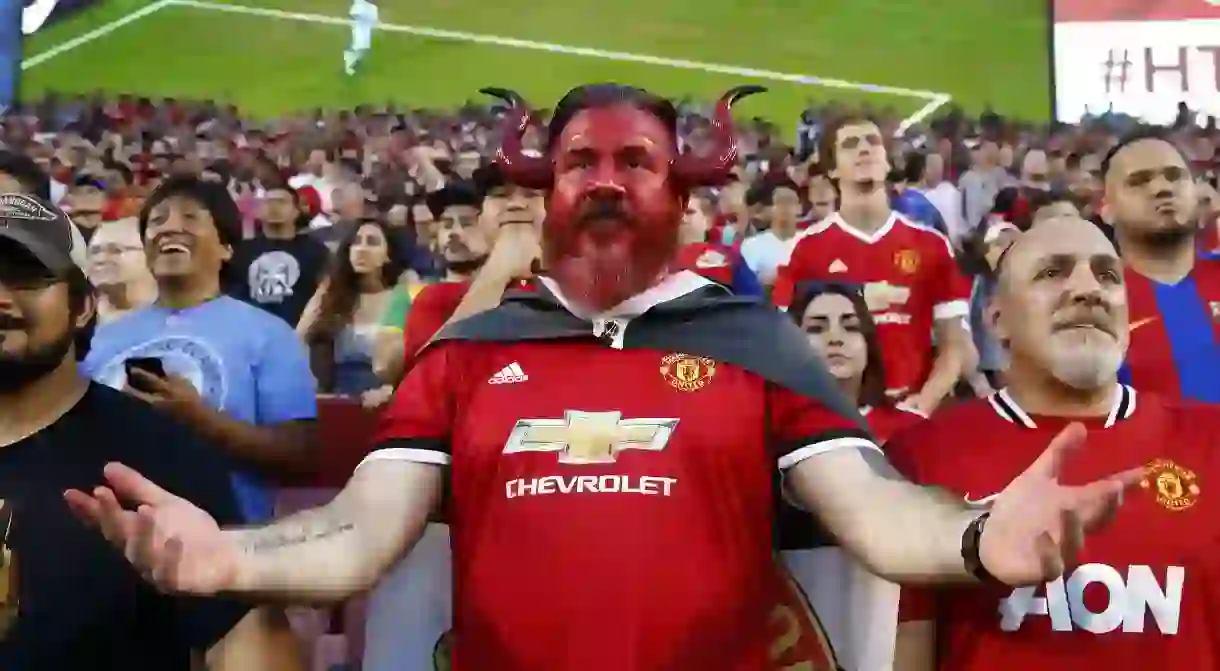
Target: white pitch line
{"points": [[496, 40], [97, 33], [923, 113]]}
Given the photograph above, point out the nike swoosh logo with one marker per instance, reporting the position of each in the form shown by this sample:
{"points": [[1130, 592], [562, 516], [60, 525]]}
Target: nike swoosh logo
{"points": [[1140, 323], [981, 502]]}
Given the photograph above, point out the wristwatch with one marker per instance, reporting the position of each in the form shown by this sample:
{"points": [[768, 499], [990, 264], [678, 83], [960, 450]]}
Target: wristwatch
{"points": [[971, 541]]}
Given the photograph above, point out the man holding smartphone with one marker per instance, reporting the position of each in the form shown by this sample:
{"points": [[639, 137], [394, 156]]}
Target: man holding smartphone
{"points": [[236, 374], [66, 600]]}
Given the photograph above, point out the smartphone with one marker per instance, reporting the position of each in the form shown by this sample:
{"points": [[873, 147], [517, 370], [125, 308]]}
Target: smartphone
{"points": [[149, 365]]}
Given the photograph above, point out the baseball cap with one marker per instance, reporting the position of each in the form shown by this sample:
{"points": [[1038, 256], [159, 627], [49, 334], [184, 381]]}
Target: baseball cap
{"points": [[43, 230]]}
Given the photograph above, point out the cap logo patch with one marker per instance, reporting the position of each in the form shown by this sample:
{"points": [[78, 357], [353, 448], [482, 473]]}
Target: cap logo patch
{"points": [[21, 206]]}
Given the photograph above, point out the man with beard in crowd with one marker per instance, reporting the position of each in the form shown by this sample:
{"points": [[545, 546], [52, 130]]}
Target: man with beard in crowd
{"points": [[280, 269], [1151, 203], [912, 282], [66, 600], [118, 270], [487, 236], [1142, 594], [554, 476]]}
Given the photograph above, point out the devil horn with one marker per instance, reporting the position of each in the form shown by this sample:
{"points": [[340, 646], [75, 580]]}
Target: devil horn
{"points": [[713, 170], [530, 172]]}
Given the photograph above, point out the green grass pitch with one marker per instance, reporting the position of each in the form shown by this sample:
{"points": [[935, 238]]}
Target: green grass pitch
{"points": [[972, 51]]}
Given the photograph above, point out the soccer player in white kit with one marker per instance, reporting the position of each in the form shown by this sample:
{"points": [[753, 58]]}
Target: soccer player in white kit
{"points": [[364, 18]]}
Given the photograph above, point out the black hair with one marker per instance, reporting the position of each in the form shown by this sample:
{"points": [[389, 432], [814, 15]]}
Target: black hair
{"points": [[79, 292], [916, 165], [213, 197], [872, 384], [488, 178], [767, 189], [32, 178], [1140, 135], [608, 95], [342, 297], [454, 194]]}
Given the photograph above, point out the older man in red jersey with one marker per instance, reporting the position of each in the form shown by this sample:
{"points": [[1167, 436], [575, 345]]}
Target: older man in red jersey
{"points": [[1143, 593], [604, 514]]}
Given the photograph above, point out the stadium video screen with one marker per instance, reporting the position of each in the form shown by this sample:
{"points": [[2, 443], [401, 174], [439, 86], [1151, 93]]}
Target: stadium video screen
{"points": [[10, 50], [1142, 57]]}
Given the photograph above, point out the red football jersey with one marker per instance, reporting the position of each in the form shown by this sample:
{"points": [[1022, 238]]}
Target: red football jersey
{"points": [[1145, 592], [715, 262], [430, 311], [611, 509], [1175, 334], [911, 279]]}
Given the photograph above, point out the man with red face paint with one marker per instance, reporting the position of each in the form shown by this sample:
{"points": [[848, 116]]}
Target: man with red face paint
{"points": [[606, 514]]}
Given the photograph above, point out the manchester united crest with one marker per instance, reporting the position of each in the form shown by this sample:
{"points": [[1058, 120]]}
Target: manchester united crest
{"points": [[1175, 487], [687, 373], [906, 261]]}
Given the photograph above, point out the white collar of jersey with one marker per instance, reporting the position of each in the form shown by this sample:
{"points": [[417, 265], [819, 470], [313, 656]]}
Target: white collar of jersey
{"points": [[836, 219], [674, 286], [1004, 405]]}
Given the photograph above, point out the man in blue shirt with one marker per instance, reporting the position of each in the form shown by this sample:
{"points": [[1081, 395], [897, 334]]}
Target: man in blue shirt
{"points": [[907, 199], [238, 375]]}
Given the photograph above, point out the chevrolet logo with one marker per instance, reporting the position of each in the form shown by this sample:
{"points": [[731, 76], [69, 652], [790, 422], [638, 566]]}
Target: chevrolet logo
{"points": [[589, 437]]}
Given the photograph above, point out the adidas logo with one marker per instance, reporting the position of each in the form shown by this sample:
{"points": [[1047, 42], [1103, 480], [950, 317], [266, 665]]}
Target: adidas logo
{"points": [[837, 266], [509, 374]]}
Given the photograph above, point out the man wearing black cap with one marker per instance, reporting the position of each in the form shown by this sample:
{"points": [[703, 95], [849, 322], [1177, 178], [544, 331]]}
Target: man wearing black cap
{"points": [[68, 601]]}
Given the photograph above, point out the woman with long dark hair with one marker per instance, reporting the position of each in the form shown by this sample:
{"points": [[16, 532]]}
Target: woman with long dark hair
{"points": [[841, 329], [859, 611], [340, 325]]}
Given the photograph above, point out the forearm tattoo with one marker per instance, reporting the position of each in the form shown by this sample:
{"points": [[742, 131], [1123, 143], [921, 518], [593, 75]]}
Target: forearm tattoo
{"points": [[296, 530]]}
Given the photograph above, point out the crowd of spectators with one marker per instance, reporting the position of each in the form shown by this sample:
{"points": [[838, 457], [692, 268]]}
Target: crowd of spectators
{"points": [[318, 230]]}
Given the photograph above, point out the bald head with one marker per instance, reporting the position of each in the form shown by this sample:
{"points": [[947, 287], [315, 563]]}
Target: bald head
{"points": [[1054, 235], [1061, 306]]}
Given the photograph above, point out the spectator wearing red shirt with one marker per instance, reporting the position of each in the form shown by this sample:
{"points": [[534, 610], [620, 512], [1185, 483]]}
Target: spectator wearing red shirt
{"points": [[718, 263], [910, 276]]}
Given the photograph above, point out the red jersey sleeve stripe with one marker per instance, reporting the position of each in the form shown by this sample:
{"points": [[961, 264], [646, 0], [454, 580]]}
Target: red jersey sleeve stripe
{"points": [[419, 450], [799, 450]]}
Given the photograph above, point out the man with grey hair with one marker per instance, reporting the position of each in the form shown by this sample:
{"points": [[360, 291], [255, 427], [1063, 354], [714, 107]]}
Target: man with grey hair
{"points": [[1061, 310]]}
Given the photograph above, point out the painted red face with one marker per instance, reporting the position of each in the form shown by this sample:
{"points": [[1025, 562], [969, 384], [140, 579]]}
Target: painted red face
{"points": [[613, 214]]}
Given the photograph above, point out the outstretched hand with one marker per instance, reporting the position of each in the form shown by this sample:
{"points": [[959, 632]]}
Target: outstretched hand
{"points": [[1038, 525], [174, 545]]}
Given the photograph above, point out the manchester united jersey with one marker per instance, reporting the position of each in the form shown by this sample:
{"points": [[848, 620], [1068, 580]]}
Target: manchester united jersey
{"points": [[910, 278], [611, 509], [1175, 334], [1144, 592]]}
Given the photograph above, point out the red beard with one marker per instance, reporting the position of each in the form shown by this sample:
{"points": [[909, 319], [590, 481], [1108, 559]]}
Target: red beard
{"points": [[601, 264]]}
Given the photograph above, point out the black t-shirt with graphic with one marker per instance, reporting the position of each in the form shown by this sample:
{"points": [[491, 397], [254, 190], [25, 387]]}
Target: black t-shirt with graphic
{"points": [[68, 600], [279, 276]]}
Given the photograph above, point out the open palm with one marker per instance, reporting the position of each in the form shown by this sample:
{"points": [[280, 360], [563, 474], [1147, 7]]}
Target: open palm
{"points": [[1037, 525], [172, 543]]}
